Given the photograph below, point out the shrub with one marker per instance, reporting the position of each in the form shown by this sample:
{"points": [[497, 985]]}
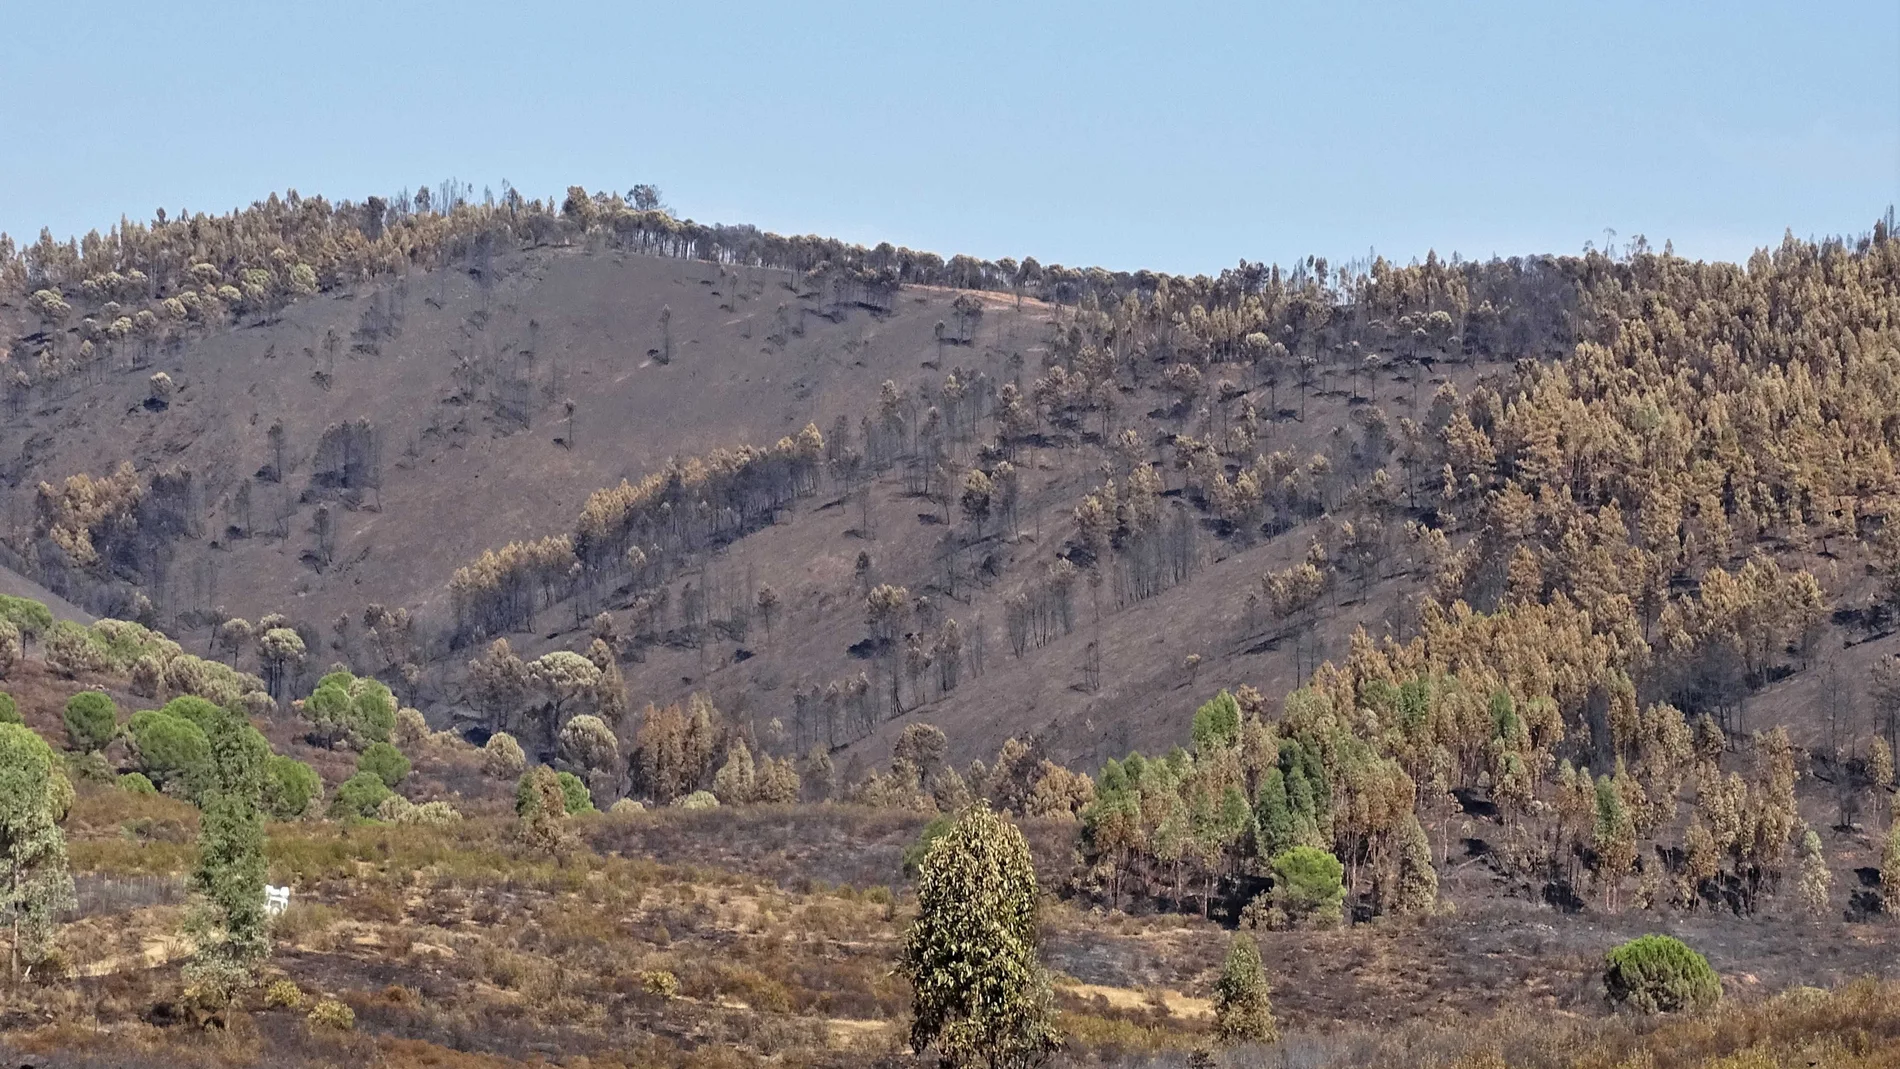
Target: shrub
{"points": [[136, 783], [1660, 974], [1306, 884], [283, 994], [360, 796], [91, 720], [502, 758], [626, 806], [698, 800], [385, 762], [331, 1014], [575, 793], [659, 982], [289, 787], [9, 709]]}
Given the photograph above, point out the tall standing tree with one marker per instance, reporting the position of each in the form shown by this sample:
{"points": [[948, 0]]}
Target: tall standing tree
{"points": [[229, 923], [1242, 1011], [979, 994], [34, 795]]}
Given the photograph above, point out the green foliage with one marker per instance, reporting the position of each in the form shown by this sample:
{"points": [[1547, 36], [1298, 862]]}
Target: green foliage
{"points": [[230, 926], [914, 853], [978, 992], [1217, 723], [32, 618], [9, 709], [385, 762], [1660, 974], [1242, 1010], [91, 720], [35, 882], [360, 796], [172, 752], [345, 709], [203, 713], [331, 1015], [289, 787], [136, 783], [1277, 830], [1306, 884], [541, 805], [284, 994], [574, 793]]}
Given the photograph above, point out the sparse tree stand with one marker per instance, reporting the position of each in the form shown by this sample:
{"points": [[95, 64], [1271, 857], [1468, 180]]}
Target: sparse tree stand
{"points": [[979, 995]]}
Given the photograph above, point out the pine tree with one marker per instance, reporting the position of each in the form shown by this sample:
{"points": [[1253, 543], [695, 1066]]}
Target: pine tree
{"points": [[1242, 1012], [979, 994], [38, 885]]}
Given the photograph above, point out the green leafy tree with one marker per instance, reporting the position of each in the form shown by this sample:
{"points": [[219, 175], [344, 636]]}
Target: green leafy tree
{"points": [[360, 796], [1216, 723], [1660, 974], [385, 762], [1307, 884], [91, 721], [574, 796], [1242, 1011], [979, 994], [9, 709], [289, 787], [172, 752], [38, 885], [229, 925]]}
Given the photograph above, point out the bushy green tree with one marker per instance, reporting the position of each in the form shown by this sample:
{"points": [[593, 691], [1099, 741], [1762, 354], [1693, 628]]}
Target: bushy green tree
{"points": [[1660, 974], [289, 787], [1216, 723], [91, 721], [172, 751], [1242, 1011], [1307, 885], [979, 994], [385, 762], [574, 796], [37, 883], [348, 710], [359, 796]]}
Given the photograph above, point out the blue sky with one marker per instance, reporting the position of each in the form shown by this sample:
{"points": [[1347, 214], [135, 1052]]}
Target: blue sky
{"points": [[1174, 137]]}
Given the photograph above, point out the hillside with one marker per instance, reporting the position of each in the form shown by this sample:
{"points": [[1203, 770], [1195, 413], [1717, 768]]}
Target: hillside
{"points": [[594, 617]]}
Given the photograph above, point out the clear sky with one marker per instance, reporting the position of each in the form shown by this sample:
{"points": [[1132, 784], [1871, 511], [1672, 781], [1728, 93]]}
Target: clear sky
{"points": [[1171, 136]]}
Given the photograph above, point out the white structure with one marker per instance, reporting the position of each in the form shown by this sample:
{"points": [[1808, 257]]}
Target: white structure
{"points": [[276, 900]]}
